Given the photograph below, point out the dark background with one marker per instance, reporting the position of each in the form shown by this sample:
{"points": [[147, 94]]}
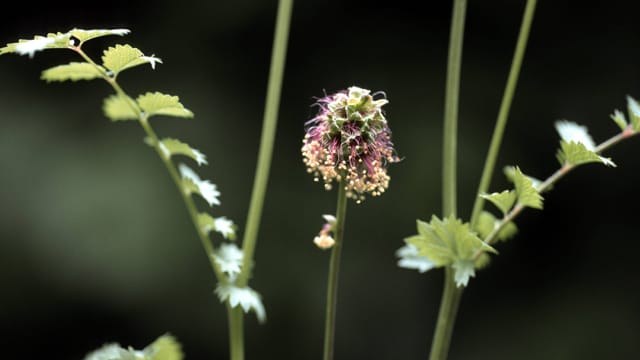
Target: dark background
{"points": [[95, 245]]}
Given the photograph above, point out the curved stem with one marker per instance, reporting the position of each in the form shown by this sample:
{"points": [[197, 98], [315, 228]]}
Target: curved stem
{"points": [[452, 96], [270, 121], [334, 270], [503, 114]]}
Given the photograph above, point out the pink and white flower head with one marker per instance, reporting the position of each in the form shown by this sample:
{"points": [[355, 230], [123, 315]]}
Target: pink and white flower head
{"points": [[349, 141]]}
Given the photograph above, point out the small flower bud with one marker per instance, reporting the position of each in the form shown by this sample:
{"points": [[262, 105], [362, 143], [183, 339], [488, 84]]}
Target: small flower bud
{"points": [[324, 241], [350, 140]]}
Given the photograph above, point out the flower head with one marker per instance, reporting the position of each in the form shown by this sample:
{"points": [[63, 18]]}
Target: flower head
{"points": [[349, 141]]}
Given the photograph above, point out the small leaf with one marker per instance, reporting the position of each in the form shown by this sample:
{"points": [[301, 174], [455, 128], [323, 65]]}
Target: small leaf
{"points": [[176, 147], [487, 223], [229, 257], [118, 108], [634, 112], [526, 193], [482, 261], [504, 200], [193, 184], [572, 132], [165, 347], [122, 57], [620, 119], [112, 352], [86, 35], [38, 43], [577, 154], [161, 104], [73, 71], [246, 297], [463, 271], [411, 259], [510, 173]]}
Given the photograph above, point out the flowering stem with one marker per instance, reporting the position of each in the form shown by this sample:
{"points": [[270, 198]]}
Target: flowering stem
{"points": [[451, 293], [505, 106], [236, 332], [334, 269]]}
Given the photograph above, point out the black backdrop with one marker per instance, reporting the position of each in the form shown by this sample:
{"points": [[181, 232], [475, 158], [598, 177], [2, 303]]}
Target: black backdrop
{"points": [[95, 246]]}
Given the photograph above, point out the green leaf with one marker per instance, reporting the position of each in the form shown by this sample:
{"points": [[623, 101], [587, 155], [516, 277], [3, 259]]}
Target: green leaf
{"points": [[510, 173], [487, 223], [119, 108], [446, 241], [122, 57], [206, 222], [172, 147], [112, 352], [165, 347], [86, 35], [482, 261], [38, 43], [634, 112], [463, 271], [526, 193], [161, 104], [576, 153], [620, 119], [73, 71], [504, 200]]}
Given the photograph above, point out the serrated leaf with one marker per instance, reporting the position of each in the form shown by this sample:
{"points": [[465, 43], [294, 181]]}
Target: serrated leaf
{"points": [[119, 108], [221, 225], [73, 71], [571, 132], [527, 194], [510, 172], [246, 297], [165, 347], [487, 223], [503, 200], [38, 43], [86, 35], [122, 57], [634, 112], [447, 241], [576, 154], [172, 147], [411, 259], [112, 352], [463, 271], [193, 184], [161, 104], [619, 118]]}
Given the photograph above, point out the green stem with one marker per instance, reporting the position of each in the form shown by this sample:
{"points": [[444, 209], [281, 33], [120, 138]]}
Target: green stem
{"points": [[236, 332], [451, 109], [270, 121], [503, 114], [334, 270], [451, 295]]}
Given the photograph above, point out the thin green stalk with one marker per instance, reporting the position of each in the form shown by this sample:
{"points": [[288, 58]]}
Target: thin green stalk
{"points": [[276, 73], [452, 96], [505, 106], [334, 270], [451, 294], [265, 153], [236, 332]]}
